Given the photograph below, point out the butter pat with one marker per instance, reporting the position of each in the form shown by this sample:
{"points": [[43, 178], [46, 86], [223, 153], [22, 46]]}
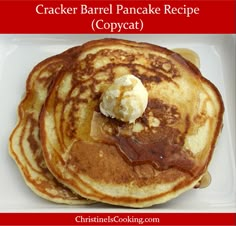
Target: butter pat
{"points": [[126, 99]]}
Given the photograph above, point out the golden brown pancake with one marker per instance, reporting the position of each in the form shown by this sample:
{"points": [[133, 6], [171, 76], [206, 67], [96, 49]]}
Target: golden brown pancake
{"points": [[163, 154], [24, 144]]}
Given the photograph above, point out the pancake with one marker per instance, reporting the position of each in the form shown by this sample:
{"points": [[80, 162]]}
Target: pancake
{"points": [[162, 154], [24, 143]]}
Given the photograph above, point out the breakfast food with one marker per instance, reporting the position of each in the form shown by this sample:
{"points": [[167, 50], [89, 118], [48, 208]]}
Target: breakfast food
{"points": [[118, 122], [24, 144], [134, 155]]}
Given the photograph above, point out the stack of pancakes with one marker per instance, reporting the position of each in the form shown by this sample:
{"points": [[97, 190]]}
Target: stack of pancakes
{"points": [[69, 152]]}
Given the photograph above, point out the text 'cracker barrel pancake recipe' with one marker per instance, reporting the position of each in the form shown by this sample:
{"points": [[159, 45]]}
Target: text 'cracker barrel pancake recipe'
{"points": [[118, 122]]}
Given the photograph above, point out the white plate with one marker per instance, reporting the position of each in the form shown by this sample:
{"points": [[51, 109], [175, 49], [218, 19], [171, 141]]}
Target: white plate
{"points": [[19, 53]]}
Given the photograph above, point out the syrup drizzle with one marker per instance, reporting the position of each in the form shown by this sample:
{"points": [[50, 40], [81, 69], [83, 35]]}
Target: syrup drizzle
{"points": [[189, 55]]}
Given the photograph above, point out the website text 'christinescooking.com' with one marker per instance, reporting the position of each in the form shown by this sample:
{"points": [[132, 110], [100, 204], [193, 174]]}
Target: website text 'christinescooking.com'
{"points": [[117, 219]]}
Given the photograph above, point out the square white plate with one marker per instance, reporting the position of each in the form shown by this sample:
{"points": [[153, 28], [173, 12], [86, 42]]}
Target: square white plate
{"points": [[18, 55]]}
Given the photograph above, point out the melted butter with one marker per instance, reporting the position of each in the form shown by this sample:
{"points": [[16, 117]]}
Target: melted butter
{"points": [[189, 55]]}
